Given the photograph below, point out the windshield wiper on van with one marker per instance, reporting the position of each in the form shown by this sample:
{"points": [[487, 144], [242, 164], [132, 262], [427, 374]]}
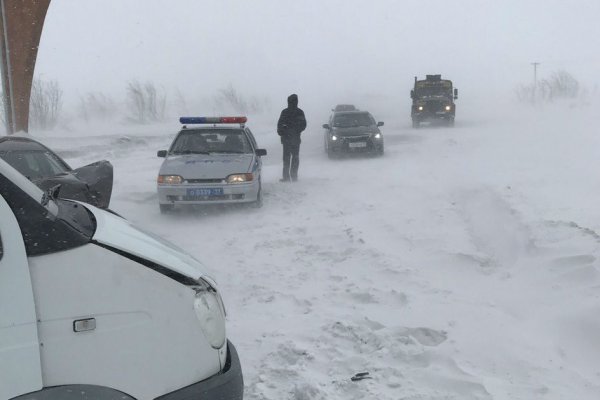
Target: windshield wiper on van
{"points": [[51, 193]]}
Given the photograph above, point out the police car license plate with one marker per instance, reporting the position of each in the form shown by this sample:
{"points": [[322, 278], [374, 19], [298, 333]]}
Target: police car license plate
{"points": [[204, 192], [357, 144]]}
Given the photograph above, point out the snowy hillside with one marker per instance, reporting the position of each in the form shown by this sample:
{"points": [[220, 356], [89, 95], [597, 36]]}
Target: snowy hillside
{"points": [[461, 265]]}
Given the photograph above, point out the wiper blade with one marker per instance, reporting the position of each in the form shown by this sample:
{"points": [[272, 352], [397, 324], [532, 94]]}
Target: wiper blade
{"points": [[51, 193]]}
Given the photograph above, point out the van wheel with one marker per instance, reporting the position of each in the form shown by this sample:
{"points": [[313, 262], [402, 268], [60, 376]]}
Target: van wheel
{"points": [[166, 208]]}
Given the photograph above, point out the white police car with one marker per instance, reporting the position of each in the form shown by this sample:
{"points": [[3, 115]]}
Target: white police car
{"points": [[212, 160]]}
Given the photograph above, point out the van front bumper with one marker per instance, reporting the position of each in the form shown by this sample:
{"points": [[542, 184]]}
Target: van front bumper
{"points": [[227, 385]]}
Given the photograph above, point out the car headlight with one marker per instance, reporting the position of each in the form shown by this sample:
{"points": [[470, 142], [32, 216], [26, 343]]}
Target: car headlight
{"points": [[169, 179], [334, 138], [420, 108], [240, 178], [377, 136], [210, 311], [448, 108]]}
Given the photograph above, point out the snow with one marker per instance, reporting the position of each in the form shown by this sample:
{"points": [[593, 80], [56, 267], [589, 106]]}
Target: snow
{"points": [[461, 265]]}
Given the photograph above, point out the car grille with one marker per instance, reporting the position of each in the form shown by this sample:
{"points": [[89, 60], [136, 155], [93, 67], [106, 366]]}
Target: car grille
{"points": [[220, 180], [207, 198], [434, 106], [351, 139]]}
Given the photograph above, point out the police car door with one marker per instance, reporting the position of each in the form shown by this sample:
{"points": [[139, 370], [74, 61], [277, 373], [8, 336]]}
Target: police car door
{"points": [[20, 366]]}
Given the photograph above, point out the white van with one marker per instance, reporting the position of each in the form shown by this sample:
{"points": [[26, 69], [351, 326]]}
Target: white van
{"points": [[93, 308]]}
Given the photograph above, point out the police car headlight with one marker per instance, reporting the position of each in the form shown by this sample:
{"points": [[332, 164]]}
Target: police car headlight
{"points": [[210, 311], [240, 178], [420, 108], [169, 179], [448, 108]]}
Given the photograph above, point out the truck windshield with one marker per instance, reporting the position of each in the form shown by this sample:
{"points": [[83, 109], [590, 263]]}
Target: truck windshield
{"points": [[424, 91]]}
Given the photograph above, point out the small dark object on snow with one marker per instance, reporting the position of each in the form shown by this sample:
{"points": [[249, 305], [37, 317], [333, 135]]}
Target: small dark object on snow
{"points": [[360, 376]]}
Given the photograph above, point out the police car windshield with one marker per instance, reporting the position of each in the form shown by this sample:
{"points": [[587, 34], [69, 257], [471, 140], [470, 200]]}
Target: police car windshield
{"points": [[207, 141], [349, 120]]}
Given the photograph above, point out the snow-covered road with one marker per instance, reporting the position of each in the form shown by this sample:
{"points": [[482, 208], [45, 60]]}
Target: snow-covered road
{"points": [[461, 265]]}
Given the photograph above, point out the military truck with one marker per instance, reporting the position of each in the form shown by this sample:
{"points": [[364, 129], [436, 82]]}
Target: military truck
{"points": [[433, 101]]}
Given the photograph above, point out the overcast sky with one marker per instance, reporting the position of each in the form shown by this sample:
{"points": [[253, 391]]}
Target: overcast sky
{"points": [[321, 49]]}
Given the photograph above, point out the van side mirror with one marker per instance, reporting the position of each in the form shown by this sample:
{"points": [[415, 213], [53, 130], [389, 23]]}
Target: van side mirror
{"points": [[380, 123], [412, 94], [455, 94], [161, 153], [326, 126], [260, 152]]}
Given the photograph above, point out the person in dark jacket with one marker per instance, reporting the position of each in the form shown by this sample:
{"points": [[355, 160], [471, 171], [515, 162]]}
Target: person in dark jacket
{"points": [[291, 123]]}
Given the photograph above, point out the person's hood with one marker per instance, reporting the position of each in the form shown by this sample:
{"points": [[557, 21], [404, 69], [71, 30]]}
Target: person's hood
{"points": [[207, 166], [292, 101]]}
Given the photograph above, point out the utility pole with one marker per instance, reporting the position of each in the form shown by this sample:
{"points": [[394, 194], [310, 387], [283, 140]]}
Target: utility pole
{"points": [[21, 23], [535, 65]]}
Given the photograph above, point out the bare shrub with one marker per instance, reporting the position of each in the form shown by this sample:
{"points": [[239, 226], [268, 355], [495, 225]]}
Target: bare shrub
{"points": [[45, 104], [145, 102], [229, 99], [560, 85], [97, 106]]}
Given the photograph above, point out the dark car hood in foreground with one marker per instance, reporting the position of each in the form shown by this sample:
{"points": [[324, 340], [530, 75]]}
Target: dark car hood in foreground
{"points": [[356, 131], [91, 184]]}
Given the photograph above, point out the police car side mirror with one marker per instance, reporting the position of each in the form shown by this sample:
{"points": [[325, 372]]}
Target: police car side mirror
{"points": [[326, 126], [161, 153], [380, 123], [261, 152]]}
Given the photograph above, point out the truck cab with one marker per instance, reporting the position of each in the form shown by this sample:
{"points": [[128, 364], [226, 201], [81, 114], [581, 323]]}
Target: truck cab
{"points": [[93, 307], [433, 101]]}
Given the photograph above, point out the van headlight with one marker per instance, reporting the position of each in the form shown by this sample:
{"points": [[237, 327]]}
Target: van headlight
{"points": [[210, 310]]}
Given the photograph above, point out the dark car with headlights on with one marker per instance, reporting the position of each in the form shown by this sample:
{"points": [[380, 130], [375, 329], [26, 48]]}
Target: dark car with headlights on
{"points": [[212, 160], [353, 132], [91, 184]]}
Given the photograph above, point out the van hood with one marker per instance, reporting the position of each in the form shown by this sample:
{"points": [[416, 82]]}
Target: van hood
{"points": [[120, 234]]}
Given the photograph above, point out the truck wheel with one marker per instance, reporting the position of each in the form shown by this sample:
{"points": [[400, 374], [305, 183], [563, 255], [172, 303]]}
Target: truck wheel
{"points": [[166, 208], [450, 122], [415, 124]]}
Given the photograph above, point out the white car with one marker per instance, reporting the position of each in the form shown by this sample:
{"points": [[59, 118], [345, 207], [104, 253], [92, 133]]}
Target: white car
{"points": [[91, 305], [215, 161]]}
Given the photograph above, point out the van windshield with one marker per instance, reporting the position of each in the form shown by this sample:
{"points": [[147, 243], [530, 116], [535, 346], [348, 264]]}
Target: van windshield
{"points": [[47, 225]]}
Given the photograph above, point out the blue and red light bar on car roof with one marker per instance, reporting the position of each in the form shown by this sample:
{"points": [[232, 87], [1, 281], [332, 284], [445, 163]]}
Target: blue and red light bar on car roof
{"points": [[213, 120]]}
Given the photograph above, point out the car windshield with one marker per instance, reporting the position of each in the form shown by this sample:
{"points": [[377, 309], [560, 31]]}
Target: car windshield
{"points": [[352, 120], [34, 164], [205, 141]]}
